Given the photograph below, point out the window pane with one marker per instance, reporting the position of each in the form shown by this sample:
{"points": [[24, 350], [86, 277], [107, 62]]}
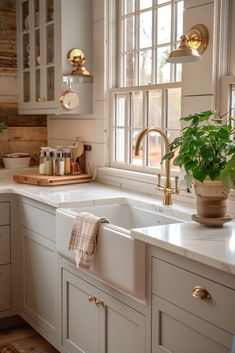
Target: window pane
{"points": [[162, 1], [172, 135], [50, 44], [155, 108], [26, 51], [129, 40], [154, 149], [37, 47], [50, 84], [128, 70], [50, 10], [164, 24], [180, 9], [120, 145], [163, 68], [137, 109], [120, 111], [26, 85], [129, 6], [37, 86], [145, 67], [144, 4], [136, 160], [174, 108], [145, 29]]}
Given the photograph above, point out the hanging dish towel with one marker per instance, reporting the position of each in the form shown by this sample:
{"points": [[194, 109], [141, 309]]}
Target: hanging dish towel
{"points": [[83, 238]]}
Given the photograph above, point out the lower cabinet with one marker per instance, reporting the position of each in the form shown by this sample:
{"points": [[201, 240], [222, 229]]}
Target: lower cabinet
{"points": [[39, 303], [94, 322], [5, 258], [177, 331], [5, 288], [190, 312], [39, 281]]}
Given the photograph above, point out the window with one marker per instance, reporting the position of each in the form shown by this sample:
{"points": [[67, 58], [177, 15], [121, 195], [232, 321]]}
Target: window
{"points": [[149, 89]]}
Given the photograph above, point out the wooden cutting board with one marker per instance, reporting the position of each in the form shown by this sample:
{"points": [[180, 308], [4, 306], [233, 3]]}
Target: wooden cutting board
{"points": [[46, 180]]}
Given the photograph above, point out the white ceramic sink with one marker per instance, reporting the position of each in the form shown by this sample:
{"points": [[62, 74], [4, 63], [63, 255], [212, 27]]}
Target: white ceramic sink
{"points": [[120, 259]]}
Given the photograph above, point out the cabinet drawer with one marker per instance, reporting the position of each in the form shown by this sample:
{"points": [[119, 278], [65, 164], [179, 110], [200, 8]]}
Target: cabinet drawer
{"points": [[4, 245], [176, 286], [4, 213], [37, 220]]}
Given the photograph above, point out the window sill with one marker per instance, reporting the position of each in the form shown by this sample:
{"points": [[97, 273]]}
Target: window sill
{"points": [[144, 183]]}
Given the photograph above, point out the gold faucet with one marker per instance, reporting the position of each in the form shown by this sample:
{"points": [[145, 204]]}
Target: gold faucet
{"points": [[167, 189]]}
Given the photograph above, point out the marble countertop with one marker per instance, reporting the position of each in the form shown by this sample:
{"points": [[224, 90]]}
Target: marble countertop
{"points": [[212, 246]]}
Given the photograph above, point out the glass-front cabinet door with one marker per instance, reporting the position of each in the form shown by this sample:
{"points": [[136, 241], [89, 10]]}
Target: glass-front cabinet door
{"points": [[37, 53]]}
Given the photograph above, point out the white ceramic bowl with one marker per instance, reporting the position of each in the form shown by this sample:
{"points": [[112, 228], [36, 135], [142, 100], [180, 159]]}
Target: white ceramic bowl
{"points": [[16, 160]]}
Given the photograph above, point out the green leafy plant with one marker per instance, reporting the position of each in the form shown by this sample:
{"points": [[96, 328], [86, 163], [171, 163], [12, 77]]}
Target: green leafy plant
{"points": [[206, 148], [3, 126]]}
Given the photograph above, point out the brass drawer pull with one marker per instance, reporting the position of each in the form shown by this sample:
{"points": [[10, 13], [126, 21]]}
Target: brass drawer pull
{"points": [[92, 298], [99, 302], [201, 293]]}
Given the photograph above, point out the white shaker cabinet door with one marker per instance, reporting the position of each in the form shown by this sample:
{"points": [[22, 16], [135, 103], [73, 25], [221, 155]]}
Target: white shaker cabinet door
{"points": [[4, 245], [125, 327], [39, 280], [5, 288], [82, 320], [177, 331]]}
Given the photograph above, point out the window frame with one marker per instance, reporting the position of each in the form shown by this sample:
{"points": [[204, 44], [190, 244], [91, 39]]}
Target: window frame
{"points": [[115, 80]]}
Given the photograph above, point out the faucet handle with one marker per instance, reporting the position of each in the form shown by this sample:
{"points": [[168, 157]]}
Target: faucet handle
{"points": [[159, 180], [177, 190]]}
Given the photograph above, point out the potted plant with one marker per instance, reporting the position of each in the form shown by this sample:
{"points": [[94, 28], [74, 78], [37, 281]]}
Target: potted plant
{"points": [[206, 151]]}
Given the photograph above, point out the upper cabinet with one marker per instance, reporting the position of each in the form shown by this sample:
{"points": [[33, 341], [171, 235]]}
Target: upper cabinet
{"points": [[47, 31]]}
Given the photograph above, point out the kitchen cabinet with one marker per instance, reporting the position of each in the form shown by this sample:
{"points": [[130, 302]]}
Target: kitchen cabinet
{"points": [[39, 269], [95, 322], [190, 313], [5, 259], [47, 31]]}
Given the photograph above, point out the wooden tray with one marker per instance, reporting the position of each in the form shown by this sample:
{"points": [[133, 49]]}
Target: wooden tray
{"points": [[46, 180]]}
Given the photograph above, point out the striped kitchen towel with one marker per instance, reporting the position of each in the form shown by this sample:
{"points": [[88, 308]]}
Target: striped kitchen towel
{"points": [[84, 237]]}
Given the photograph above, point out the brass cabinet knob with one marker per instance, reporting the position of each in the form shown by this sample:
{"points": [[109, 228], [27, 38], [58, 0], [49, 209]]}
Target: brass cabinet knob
{"points": [[201, 293], [99, 302], [92, 298], [41, 99]]}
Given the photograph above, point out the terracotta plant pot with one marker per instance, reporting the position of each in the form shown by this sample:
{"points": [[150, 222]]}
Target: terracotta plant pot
{"points": [[212, 198]]}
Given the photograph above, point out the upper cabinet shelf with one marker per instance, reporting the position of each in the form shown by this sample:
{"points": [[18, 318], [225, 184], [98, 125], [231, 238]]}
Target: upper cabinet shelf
{"points": [[47, 31]]}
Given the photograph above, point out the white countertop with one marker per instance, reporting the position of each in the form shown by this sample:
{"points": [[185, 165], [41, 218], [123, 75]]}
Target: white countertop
{"points": [[211, 246]]}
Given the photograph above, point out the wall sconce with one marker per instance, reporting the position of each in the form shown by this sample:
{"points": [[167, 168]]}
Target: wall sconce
{"points": [[76, 58], [192, 45]]}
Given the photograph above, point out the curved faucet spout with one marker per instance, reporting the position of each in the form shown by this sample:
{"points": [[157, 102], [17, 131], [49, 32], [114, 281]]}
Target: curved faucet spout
{"points": [[167, 189]]}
